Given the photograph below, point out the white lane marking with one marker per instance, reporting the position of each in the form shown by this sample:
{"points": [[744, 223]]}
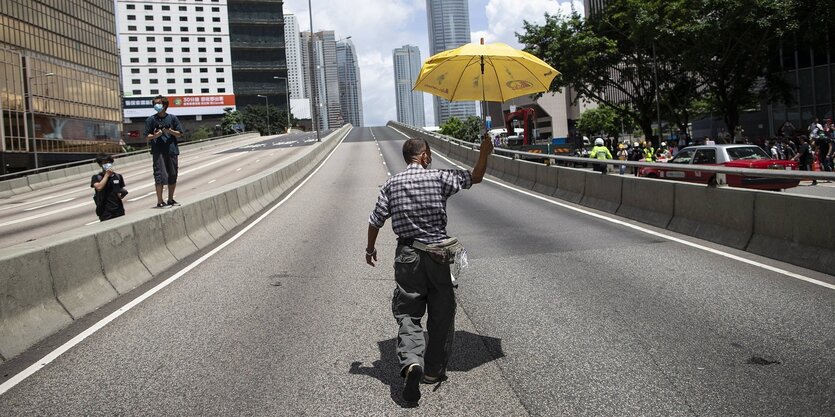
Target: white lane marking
{"points": [[142, 196], [238, 169], [50, 204], [654, 233], [91, 223], [46, 360], [212, 181], [257, 161]]}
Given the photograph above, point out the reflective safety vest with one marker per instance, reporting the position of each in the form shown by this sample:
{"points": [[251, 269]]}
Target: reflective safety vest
{"points": [[600, 152], [649, 152]]}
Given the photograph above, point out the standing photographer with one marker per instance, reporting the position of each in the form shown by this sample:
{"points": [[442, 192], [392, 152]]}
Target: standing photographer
{"points": [[161, 131]]}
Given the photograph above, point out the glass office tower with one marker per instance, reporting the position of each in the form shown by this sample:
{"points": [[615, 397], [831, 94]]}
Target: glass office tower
{"points": [[59, 82]]}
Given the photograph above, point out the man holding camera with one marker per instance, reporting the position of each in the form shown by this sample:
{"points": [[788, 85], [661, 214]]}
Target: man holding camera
{"points": [[161, 131]]}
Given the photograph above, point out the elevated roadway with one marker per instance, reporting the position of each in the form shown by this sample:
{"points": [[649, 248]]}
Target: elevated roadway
{"points": [[563, 311]]}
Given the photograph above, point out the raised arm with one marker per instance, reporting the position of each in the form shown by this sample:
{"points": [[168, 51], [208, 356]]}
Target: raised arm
{"points": [[483, 156]]}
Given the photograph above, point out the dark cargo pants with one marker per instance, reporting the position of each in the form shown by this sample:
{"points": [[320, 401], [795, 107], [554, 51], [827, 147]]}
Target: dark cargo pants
{"points": [[423, 284]]}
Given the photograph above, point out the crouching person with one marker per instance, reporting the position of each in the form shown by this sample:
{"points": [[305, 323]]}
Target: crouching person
{"points": [[110, 190]]}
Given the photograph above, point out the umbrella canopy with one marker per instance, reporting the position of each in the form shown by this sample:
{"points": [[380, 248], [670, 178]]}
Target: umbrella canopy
{"points": [[491, 72]]}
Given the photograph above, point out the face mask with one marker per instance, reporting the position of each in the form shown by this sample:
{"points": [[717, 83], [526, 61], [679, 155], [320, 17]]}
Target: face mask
{"points": [[106, 166], [158, 107]]}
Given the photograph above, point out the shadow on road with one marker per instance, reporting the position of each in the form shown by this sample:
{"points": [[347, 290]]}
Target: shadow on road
{"points": [[469, 351]]}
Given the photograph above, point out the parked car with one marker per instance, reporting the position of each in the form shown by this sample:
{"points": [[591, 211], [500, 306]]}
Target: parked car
{"points": [[731, 156]]}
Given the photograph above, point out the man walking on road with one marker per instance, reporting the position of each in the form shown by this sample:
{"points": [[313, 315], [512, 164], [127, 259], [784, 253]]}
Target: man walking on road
{"points": [[161, 131], [415, 199]]}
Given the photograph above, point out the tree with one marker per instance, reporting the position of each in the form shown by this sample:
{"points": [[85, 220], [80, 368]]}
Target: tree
{"points": [[467, 130], [599, 121], [230, 119], [256, 117]]}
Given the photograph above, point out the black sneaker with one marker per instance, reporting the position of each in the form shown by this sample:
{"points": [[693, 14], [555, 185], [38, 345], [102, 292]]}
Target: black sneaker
{"points": [[173, 203], [411, 389], [160, 205]]}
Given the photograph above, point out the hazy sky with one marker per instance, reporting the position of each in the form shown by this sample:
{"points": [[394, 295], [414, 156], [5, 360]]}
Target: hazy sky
{"points": [[377, 27]]}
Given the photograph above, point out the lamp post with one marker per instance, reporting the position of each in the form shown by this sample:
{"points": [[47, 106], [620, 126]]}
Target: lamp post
{"points": [[267, 101], [313, 95], [32, 113], [287, 96]]}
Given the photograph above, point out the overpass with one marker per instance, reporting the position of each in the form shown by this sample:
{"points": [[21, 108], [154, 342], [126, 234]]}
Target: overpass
{"points": [[569, 307]]}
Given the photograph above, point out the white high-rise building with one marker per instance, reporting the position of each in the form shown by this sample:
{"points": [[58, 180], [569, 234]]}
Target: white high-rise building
{"points": [[325, 94], [178, 49], [350, 87], [449, 27], [406, 69], [295, 72]]}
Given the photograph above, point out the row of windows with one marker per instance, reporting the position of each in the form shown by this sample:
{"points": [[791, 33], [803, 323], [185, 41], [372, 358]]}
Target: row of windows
{"points": [[168, 18], [172, 81], [171, 60], [170, 39], [168, 29], [85, 23], [174, 91], [167, 7], [170, 49], [186, 70]]}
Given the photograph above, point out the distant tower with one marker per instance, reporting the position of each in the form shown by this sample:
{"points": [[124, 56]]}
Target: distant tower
{"points": [[295, 73], [449, 27], [409, 103], [327, 82], [350, 88]]}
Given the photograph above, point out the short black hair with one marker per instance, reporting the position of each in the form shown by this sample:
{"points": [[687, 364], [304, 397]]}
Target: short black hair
{"points": [[163, 100], [103, 157], [413, 147]]}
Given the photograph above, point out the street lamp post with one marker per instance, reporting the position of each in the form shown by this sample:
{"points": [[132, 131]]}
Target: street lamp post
{"points": [[287, 96], [267, 101], [32, 113], [313, 95]]}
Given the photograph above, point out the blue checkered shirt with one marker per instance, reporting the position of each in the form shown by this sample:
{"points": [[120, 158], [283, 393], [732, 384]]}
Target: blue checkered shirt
{"points": [[415, 199]]}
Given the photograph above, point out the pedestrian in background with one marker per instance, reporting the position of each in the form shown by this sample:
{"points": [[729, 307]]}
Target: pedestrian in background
{"points": [[162, 130], [415, 199], [109, 189], [805, 157], [601, 153], [623, 155]]}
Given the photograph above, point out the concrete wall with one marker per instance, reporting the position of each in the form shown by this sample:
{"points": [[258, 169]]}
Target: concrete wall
{"points": [[776, 225], [48, 283]]}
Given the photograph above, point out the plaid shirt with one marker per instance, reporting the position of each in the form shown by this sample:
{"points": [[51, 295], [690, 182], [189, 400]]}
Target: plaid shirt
{"points": [[415, 199]]}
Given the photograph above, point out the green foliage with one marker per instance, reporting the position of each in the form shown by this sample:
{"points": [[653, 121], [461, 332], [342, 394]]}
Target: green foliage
{"points": [[598, 121], [254, 117], [230, 118], [200, 134], [468, 130]]}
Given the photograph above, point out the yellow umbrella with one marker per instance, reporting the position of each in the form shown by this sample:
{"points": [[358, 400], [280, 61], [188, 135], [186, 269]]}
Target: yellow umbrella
{"points": [[492, 72]]}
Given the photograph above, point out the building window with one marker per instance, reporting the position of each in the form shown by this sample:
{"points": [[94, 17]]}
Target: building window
{"points": [[216, 19], [154, 92], [202, 59], [201, 29], [215, 29], [166, 28], [150, 39], [133, 49], [169, 49], [149, 18], [215, 9], [131, 7], [152, 70], [172, 91], [218, 59], [221, 80], [218, 40], [201, 39], [187, 70], [199, 8], [154, 81], [149, 28], [201, 50], [137, 92], [185, 29], [149, 7], [170, 81], [187, 81], [218, 49], [152, 60], [133, 39], [204, 90], [204, 80], [186, 49], [132, 28], [134, 70], [182, 8], [135, 81], [169, 70], [131, 17], [166, 18], [152, 49], [219, 70], [169, 60], [166, 7], [221, 90], [183, 18], [199, 19], [186, 59], [134, 60], [204, 70], [189, 91]]}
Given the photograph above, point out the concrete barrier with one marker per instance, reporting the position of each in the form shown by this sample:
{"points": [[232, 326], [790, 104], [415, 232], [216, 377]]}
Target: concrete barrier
{"points": [[721, 215], [119, 252], [207, 207], [602, 192], [150, 239], [546, 179], [795, 229], [176, 236], [498, 166], [647, 200], [77, 273], [571, 184], [525, 174], [196, 225], [224, 214], [28, 306]]}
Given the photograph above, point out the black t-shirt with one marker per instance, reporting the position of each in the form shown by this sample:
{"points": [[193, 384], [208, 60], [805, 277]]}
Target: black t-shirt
{"points": [[108, 203], [165, 144], [805, 154]]}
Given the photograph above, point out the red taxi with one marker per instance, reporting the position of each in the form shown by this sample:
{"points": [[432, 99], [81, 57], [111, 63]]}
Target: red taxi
{"points": [[731, 156]]}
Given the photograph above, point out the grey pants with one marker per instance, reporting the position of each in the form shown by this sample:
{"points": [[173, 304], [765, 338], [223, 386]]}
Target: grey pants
{"points": [[423, 284]]}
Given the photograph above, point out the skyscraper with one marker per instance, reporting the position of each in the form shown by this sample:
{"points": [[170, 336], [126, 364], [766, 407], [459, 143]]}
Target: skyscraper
{"points": [[259, 61], [449, 27], [409, 103], [295, 65], [325, 94], [59, 82], [350, 87]]}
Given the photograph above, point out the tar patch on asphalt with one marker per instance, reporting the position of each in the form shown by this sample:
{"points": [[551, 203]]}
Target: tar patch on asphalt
{"points": [[756, 360]]}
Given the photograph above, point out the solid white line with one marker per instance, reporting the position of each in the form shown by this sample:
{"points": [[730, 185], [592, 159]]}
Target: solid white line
{"points": [[46, 360], [91, 223], [212, 181], [50, 204], [654, 233], [238, 169]]}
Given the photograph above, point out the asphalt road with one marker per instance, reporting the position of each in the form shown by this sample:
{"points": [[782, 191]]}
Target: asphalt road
{"points": [[57, 208], [563, 311]]}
